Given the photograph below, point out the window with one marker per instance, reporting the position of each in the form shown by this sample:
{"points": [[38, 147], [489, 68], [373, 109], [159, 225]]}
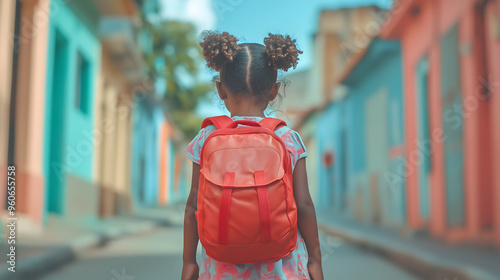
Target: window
{"points": [[82, 84]]}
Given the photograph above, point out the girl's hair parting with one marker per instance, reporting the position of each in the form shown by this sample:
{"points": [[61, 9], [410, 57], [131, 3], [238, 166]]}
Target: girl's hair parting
{"points": [[250, 69]]}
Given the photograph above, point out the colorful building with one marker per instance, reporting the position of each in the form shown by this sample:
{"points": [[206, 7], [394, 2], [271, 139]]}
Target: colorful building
{"points": [[424, 160], [167, 164], [341, 34], [158, 170], [145, 165], [69, 83], [26, 40], [73, 62], [451, 58], [362, 147], [121, 76]]}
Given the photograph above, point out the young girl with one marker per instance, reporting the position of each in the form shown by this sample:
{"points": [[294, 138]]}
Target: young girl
{"points": [[248, 82]]}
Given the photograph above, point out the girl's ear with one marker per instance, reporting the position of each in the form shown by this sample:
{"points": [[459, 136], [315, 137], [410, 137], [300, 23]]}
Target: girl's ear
{"points": [[220, 91], [274, 91]]}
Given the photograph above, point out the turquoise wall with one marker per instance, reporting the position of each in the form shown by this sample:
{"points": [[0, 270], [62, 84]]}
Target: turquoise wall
{"points": [[145, 164], [328, 135], [135, 162], [67, 149], [362, 128]]}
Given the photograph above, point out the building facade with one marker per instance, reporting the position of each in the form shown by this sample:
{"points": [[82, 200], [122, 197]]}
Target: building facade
{"points": [[451, 73], [28, 41], [73, 62], [362, 147], [341, 33], [425, 159], [145, 166], [158, 170], [122, 75], [69, 84]]}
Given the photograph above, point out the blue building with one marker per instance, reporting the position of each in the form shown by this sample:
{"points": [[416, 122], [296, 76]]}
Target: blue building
{"points": [[363, 142], [93, 66], [147, 120], [73, 60]]}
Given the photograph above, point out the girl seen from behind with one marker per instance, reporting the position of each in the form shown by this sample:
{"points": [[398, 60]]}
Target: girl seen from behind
{"points": [[253, 214]]}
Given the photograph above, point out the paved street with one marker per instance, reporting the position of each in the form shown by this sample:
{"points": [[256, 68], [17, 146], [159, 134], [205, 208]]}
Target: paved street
{"points": [[157, 255]]}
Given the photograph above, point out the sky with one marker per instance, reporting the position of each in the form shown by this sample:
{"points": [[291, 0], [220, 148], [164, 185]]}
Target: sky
{"points": [[252, 20]]}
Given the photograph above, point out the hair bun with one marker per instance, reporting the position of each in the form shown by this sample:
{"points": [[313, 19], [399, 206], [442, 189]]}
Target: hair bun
{"points": [[218, 49], [281, 51]]}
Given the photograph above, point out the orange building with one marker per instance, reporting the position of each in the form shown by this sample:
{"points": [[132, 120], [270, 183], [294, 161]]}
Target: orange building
{"points": [[451, 73], [169, 169]]}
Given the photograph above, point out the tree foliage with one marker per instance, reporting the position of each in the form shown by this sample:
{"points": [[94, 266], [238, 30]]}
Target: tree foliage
{"points": [[175, 58]]}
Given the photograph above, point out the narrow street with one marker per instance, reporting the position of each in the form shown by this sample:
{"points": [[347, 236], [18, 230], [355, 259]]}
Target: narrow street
{"points": [[158, 256]]}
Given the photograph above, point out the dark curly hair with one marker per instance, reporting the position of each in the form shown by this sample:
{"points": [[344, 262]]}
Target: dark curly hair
{"points": [[250, 69]]}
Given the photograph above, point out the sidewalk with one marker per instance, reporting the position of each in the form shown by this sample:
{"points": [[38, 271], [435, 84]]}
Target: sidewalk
{"points": [[422, 256], [60, 243]]}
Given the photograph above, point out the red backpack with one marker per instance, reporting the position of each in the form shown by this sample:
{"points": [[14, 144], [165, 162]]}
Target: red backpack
{"points": [[246, 209]]}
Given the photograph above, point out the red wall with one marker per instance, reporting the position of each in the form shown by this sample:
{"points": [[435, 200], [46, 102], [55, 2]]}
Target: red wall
{"points": [[493, 50], [420, 31]]}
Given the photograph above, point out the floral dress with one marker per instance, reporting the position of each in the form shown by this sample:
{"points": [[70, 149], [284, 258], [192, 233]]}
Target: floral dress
{"points": [[293, 266]]}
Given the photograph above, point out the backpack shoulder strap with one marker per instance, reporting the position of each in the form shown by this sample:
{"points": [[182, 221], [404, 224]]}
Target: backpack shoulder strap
{"points": [[219, 121], [272, 123]]}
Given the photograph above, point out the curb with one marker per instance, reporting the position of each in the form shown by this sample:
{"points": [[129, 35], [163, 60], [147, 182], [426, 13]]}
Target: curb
{"points": [[53, 258], [421, 264]]}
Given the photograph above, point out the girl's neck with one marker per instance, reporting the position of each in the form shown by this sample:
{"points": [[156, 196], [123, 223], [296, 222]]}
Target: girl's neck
{"points": [[244, 109], [248, 115]]}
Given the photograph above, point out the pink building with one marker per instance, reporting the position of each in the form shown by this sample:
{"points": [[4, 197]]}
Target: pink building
{"points": [[451, 73]]}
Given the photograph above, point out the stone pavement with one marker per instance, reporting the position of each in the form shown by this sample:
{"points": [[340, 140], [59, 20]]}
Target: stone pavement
{"points": [[158, 255], [423, 256], [60, 242]]}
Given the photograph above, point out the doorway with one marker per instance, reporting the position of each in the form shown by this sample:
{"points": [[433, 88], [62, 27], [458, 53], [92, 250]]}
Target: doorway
{"points": [[423, 135], [453, 128], [56, 175]]}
